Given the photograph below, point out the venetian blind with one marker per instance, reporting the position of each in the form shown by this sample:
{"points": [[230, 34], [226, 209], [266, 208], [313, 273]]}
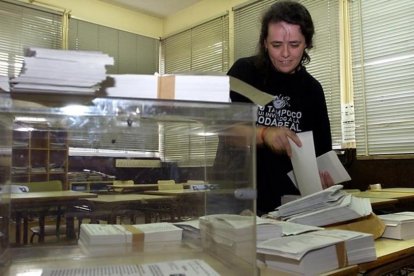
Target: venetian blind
{"points": [[203, 48], [383, 75], [325, 64], [186, 144], [23, 26]]}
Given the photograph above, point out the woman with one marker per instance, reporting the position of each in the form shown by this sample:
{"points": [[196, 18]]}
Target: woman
{"points": [[299, 102]]}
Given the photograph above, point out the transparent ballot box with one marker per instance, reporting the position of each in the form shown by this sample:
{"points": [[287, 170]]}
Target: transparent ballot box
{"points": [[127, 185]]}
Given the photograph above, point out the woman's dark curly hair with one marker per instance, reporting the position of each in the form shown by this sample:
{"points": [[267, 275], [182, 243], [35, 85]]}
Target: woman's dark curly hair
{"points": [[290, 12]]}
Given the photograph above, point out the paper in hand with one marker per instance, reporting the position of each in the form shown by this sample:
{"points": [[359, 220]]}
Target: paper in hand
{"points": [[328, 162], [304, 164]]}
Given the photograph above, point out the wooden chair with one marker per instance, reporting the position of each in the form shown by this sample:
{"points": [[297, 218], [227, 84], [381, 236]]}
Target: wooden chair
{"points": [[50, 230], [41, 214], [84, 210], [169, 185]]}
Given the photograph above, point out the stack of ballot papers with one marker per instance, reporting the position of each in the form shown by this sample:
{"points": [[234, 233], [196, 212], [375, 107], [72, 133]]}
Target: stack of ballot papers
{"points": [[399, 225], [316, 252], [360, 247], [206, 88], [191, 231], [133, 86], [267, 229], [291, 228], [329, 206], [130, 235], [61, 71], [229, 235]]}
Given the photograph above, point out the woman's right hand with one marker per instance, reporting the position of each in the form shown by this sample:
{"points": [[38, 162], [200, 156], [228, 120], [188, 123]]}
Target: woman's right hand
{"points": [[276, 138]]}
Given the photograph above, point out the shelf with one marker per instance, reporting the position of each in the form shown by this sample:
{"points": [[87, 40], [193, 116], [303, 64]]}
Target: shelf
{"points": [[39, 154]]}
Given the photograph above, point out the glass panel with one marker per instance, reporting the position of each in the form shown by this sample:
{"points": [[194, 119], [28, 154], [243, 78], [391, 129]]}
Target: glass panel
{"points": [[103, 188]]}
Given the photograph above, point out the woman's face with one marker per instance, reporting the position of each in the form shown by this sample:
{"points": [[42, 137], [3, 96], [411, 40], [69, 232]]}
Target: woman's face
{"points": [[285, 45]]}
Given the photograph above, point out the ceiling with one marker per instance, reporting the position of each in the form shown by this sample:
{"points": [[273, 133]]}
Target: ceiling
{"points": [[159, 8]]}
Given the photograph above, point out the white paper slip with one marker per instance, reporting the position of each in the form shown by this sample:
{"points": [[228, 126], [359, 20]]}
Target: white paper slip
{"points": [[328, 162], [304, 165]]}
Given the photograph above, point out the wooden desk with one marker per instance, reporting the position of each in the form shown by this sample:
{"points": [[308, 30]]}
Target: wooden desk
{"points": [[136, 187], [386, 194], [51, 197], [190, 203], [382, 202], [396, 189], [346, 271], [128, 203], [175, 192], [391, 255], [24, 202], [125, 198]]}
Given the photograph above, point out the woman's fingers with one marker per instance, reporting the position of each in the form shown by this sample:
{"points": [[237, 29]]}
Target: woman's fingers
{"points": [[326, 179], [277, 138]]}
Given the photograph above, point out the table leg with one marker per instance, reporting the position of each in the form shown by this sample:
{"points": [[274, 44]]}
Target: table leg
{"points": [[70, 228], [25, 229], [18, 228], [41, 228]]}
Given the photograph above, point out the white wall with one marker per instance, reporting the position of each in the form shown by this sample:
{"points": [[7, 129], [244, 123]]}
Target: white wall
{"points": [[108, 15]]}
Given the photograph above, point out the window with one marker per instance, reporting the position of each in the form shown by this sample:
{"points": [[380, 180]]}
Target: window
{"points": [[188, 144], [22, 27], [325, 64], [203, 48], [383, 75]]}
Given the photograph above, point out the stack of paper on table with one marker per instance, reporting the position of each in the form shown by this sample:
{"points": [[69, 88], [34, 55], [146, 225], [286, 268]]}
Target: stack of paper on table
{"points": [[133, 86], [360, 247], [206, 88], [291, 228], [110, 234], [326, 207], [191, 231], [316, 252], [267, 229], [229, 234], [399, 225], [61, 71]]}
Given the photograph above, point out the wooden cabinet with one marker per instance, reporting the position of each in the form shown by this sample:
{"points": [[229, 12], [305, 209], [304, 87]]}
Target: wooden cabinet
{"points": [[39, 154]]}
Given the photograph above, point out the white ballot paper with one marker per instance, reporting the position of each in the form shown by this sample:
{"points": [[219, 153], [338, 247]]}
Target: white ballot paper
{"points": [[305, 166], [329, 162], [193, 267]]}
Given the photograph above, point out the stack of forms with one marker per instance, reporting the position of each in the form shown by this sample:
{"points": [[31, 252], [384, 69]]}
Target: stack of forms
{"points": [[100, 238], [329, 206], [59, 71]]}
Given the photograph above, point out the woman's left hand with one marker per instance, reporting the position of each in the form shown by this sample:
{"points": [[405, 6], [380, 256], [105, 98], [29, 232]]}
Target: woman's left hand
{"points": [[326, 179]]}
